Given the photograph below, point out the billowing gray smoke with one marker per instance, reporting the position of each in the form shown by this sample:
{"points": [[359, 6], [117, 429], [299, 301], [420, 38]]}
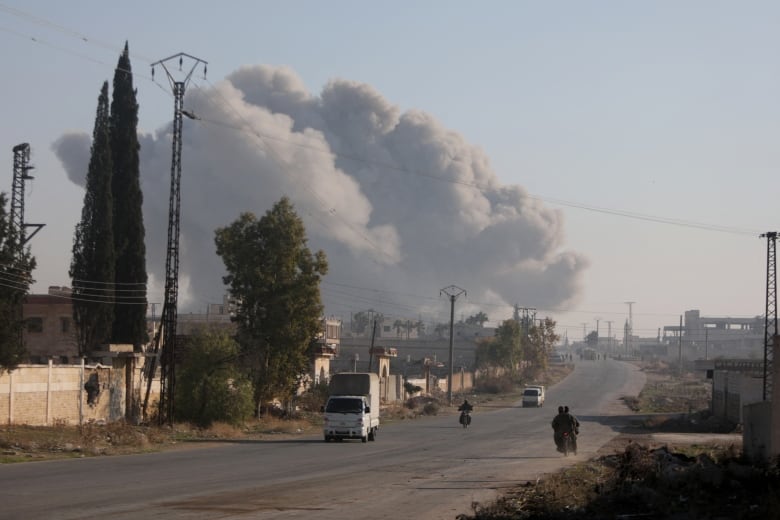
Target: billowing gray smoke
{"points": [[399, 204]]}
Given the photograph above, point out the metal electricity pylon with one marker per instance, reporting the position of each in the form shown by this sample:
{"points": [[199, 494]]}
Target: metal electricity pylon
{"points": [[770, 317], [165, 339], [453, 292], [22, 168]]}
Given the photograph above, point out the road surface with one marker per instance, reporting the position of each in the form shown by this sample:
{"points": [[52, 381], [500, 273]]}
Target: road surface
{"points": [[430, 468]]}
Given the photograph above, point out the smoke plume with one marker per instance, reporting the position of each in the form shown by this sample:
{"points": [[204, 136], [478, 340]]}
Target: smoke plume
{"points": [[401, 205]]}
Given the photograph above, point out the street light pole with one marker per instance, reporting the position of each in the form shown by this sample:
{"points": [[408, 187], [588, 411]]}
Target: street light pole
{"points": [[452, 292]]}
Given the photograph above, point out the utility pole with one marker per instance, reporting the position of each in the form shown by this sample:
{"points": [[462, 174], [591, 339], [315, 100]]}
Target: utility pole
{"points": [[597, 331], [22, 168], [167, 332], [679, 343], [770, 317], [630, 327], [584, 334], [609, 336], [452, 292]]}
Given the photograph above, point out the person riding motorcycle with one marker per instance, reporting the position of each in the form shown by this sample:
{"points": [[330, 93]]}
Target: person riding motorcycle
{"points": [[466, 406], [465, 410], [565, 422], [560, 424], [575, 424]]}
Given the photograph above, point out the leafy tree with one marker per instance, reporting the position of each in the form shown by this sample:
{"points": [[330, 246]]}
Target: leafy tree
{"points": [[16, 266], [592, 339], [275, 278], [209, 384], [92, 264], [540, 343], [477, 319], [419, 326], [442, 329], [399, 325], [509, 349], [130, 272], [360, 321]]}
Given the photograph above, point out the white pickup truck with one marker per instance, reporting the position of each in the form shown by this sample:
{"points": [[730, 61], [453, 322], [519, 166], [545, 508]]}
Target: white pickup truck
{"points": [[533, 395]]}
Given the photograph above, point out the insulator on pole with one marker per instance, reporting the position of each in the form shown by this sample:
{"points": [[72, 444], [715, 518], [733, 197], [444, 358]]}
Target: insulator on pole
{"points": [[152, 73], [205, 71]]}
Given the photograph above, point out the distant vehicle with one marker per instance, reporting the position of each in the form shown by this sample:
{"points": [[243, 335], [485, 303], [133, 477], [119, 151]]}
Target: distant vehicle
{"points": [[352, 410], [556, 358], [540, 387], [533, 396]]}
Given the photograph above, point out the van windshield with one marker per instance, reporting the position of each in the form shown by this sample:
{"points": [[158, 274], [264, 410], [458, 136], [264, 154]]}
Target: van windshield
{"points": [[345, 406], [531, 392]]}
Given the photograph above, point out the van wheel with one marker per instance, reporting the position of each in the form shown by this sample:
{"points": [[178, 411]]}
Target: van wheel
{"points": [[364, 439], [372, 435], [327, 438]]}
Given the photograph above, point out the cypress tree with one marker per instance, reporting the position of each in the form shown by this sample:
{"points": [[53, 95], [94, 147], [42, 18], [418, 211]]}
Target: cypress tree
{"points": [[130, 272], [16, 265], [92, 264]]}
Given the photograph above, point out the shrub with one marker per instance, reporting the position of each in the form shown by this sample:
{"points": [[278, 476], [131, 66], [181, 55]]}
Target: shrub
{"points": [[209, 385], [495, 385]]}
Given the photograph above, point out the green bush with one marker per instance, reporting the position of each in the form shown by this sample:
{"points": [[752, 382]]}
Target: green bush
{"points": [[313, 399], [209, 387]]}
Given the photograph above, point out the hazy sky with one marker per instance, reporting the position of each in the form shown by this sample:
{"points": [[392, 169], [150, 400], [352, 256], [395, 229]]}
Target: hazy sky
{"points": [[567, 156]]}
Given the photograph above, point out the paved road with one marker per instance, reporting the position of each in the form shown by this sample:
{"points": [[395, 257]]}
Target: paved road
{"points": [[430, 468]]}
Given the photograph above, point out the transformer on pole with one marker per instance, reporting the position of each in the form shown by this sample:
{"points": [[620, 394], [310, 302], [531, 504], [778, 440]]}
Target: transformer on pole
{"points": [[165, 339], [770, 317]]}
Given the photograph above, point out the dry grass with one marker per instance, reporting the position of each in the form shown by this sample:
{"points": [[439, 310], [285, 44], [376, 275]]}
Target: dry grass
{"points": [[21, 442]]}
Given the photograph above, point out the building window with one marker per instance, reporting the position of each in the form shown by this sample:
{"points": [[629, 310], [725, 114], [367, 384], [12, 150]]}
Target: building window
{"points": [[64, 325], [35, 325]]}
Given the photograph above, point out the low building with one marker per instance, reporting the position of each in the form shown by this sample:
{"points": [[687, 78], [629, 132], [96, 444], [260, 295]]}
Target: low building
{"points": [[49, 331]]}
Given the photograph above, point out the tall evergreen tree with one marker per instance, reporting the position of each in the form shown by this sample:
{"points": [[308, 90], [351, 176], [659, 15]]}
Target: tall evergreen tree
{"points": [[16, 265], [130, 271], [92, 265]]}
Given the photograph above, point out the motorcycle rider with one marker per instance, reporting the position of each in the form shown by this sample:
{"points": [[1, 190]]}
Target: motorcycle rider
{"points": [[559, 423], [465, 409], [575, 424], [574, 427]]}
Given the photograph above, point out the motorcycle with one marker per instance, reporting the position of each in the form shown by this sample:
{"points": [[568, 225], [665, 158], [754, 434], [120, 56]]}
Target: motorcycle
{"points": [[569, 444], [465, 418]]}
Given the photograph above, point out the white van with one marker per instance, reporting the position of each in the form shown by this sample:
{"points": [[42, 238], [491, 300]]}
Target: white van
{"points": [[533, 396]]}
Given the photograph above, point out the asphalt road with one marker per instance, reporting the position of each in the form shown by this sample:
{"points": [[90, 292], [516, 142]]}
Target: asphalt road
{"points": [[428, 469]]}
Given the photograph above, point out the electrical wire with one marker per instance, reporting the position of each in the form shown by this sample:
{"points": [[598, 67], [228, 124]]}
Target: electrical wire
{"points": [[264, 138]]}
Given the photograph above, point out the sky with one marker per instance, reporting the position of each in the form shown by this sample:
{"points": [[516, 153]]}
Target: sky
{"points": [[568, 157]]}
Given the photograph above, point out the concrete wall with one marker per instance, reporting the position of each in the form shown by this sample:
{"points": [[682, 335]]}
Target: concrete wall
{"points": [[44, 395], [761, 427], [756, 431], [732, 391], [41, 395]]}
